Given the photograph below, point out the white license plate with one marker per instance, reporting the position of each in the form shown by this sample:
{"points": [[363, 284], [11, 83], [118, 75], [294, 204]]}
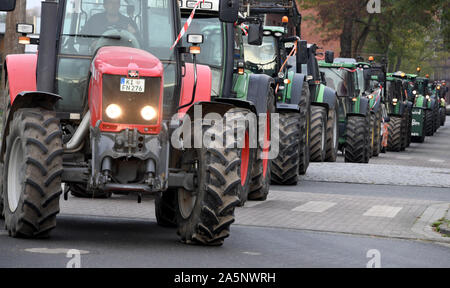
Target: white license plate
{"points": [[132, 85]]}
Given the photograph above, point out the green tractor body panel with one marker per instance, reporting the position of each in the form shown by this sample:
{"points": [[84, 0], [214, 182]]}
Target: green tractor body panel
{"points": [[241, 82], [418, 119]]}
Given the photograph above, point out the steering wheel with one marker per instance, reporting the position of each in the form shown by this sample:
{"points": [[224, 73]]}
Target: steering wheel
{"points": [[127, 39]]}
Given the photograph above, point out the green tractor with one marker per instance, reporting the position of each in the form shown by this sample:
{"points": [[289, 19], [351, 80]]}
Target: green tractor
{"points": [[354, 111], [232, 83], [398, 107], [440, 92], [422, 114], [275, 58], [435, 105]]}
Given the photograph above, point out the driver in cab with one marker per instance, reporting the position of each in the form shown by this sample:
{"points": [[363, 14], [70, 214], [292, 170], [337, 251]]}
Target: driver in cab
{"points": [[110, 19]]}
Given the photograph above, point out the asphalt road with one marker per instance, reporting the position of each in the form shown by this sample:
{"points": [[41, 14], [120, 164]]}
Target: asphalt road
{"points": [[118, 232], [112, 242]]}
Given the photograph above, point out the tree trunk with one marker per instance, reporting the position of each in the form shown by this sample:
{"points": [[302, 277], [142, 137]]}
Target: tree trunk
{"points": [[361, 40], [399, 63], [12, 45], [347, 38]]}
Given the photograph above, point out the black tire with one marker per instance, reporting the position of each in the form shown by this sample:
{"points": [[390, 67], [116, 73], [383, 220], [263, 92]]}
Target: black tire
{"points": [[428, 123], [409, 129], [80, 191], [305, 113], [2, 213], [238, 118], [332, 136], [404, 129], [377, 139], [35, 134], [211, 207], [285, 166], [165, 208], [437, 119], [260, 180], [356, 139], [318, 133], [372, 131], [395, 134]]}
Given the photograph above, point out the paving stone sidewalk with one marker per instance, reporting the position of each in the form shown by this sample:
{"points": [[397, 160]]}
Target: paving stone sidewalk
{"points": [[378, 174]]}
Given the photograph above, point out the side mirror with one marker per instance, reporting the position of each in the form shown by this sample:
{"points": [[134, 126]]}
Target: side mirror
{"points": [[7, 5], [255, 34], [229, 11], [329, 56], [302, 53]]}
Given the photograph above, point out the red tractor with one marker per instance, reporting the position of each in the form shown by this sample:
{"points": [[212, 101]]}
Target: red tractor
{"points": [[93, 110]]}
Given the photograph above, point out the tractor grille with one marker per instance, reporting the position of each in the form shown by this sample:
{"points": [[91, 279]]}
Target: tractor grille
{"points": [[131, 103]]}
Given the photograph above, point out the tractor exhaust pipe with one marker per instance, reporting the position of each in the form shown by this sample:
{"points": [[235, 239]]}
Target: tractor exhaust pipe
{"points": [[77, 139]]}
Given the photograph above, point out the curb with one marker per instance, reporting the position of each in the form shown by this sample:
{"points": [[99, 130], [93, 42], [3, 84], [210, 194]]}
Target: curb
{"points": [[444, 229], [423, 225]]}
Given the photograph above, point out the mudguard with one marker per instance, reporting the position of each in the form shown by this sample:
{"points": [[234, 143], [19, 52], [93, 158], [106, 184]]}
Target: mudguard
{"points": [[296, 88], [326, 97], [26, 100], [203, 89], [363, 107], [258, 88], [20, 72]]}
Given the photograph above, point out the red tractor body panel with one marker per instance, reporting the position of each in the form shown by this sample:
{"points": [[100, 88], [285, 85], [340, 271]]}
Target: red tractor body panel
{"points": [[120, 61], [21, 71], [203, 89]]}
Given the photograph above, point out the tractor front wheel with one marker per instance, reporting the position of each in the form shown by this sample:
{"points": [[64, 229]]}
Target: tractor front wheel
{"points": [[318, 133], [286, 165], [395, 134], [32, 173], [356, 138], [332, 136], [377, 138], [305, 135]]}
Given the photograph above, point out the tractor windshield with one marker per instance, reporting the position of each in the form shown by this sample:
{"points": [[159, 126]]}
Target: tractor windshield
{"points": [[211, 49], [338, 80], [91, 24], [261, 59]]}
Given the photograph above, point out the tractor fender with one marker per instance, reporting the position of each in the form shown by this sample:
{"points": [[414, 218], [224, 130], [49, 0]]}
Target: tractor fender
{"points": [[287, 107], [238, 103], [207, 107], [327, 98], [25, 100], [20, 73], [258, 88], [363, 106], [203, 89], [296, 88]]}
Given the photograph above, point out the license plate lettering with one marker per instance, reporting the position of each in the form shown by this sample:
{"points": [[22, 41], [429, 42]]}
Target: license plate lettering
{"points": [[132, 85]]}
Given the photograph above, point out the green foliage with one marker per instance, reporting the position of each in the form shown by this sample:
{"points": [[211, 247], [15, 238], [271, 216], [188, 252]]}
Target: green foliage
{"points": [[410, 33]]}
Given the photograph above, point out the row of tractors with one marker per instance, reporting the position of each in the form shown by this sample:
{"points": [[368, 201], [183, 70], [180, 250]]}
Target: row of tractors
{"points": [[99, 112]]}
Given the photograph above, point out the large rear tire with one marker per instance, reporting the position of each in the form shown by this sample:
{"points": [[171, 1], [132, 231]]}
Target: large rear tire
{"points": [[332, 136], [318, 134], [395, 134], [356, 138], [32, 173], [404, 128], [260, 180], [285, 166], [204, 216]]}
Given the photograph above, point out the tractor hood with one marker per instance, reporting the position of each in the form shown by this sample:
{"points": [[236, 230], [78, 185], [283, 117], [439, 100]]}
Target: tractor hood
{"points": [[123, 60]]}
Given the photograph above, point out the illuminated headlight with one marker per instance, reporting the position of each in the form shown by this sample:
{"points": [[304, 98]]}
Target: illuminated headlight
{"points": [[395, 100], [113, 111], [414, 92], [267, 33], [370, 96], [278, 34], [148, 113], [428, 97]]}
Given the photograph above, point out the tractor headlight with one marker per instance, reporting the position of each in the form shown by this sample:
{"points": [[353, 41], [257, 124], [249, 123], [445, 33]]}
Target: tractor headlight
{"points": [[414, 92], [113, 111], [148, 113], [428, 97]]}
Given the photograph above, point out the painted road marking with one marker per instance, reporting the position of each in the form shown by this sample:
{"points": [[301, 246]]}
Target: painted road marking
{"points": [[53, 251], [404, 157], [314, 206], [436, 160], [383, 211]]}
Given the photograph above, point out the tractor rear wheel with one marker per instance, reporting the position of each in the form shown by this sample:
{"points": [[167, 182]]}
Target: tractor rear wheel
{"points": [[356, 139], [404, 128], [305, 140], [32, 173], [204, 216], [395, 134], [332, 136], [428, 123], [318, 133], [260, 180], [285, 166], [377, 138]]}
